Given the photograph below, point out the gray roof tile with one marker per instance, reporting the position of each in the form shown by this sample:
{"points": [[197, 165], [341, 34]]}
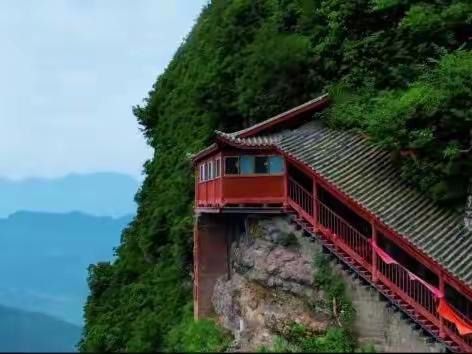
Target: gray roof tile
{"points": [[365, 173]]}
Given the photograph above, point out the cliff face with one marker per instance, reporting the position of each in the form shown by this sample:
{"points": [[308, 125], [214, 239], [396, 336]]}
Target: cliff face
{"points": [[272, 288]]}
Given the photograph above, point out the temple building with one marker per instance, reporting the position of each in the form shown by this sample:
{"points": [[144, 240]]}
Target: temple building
{"points": [[347, 194]]}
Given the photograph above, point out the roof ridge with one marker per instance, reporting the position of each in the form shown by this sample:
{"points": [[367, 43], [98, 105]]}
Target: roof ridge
{"points": [[280, 115]]}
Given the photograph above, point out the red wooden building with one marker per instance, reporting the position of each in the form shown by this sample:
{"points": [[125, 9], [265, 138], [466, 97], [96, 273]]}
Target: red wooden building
{"points": [[347, 194]]}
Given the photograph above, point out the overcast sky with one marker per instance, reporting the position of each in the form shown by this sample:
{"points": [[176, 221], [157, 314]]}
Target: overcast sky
{"points": [[70, 71]]}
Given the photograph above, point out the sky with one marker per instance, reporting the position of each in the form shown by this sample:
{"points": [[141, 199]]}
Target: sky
{"points": [[70, 72]]}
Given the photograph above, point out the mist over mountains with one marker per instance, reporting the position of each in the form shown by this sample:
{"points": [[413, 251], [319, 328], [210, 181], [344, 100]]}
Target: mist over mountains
{"points": [[50, 232], [24, 331], [102, 194], [44, 259]]}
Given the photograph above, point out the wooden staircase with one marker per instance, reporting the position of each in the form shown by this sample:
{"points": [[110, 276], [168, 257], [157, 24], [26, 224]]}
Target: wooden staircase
{"points": [[428, 329]]}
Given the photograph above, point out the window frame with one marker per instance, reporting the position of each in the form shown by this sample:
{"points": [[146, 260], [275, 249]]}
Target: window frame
{"points": [[284, 167], [210, 170], [268, 167], [224, 166], [217, 171], [201, 176]]}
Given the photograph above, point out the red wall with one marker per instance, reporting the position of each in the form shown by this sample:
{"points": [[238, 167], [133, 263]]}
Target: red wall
{"points": [[209, 192], [211, 259], [253, 189], [239, 189]]}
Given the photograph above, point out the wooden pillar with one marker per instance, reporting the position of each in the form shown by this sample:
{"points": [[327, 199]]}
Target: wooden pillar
{"points": [[221, 180], [285, 184], [315, 205], [196, 268], [442, 333], [374, 254]]}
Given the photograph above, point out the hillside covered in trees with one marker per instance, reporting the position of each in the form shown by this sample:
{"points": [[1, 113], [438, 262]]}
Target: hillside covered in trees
{"points": [[397, 70]]}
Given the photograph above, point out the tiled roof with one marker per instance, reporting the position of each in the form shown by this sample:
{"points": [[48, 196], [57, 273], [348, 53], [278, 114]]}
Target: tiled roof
{"points": [[366, 174], [253, 141], [307, 105]]}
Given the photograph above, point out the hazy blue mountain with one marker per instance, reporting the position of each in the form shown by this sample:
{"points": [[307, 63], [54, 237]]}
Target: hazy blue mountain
{"points": [[44, 259], [109, 194], [22, 331]]}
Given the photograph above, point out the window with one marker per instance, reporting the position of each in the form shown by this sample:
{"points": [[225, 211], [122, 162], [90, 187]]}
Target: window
{"points": [[202, 177], [252, 164], [210, 170], [247, 165], [276, 164], [261, 165], [207, 171], [217, 168], [232, 165]]}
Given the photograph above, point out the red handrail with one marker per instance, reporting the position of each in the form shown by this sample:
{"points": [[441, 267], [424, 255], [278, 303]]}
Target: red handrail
{"points": [[301, 196], [396, 277], [415, 291], [452, 331], [347, 234]]}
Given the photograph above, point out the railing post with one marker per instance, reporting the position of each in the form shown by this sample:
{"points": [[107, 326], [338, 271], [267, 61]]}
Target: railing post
{"points": [[286, 186], [315, 205], [442, 333], [374, 254]]}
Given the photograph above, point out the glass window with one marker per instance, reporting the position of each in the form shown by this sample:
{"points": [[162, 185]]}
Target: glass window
{"points": [[217, 168], [232, 165], [210, 170], [207, 171], [201, 172], [276, 164], [247, 165], [261, 164]]}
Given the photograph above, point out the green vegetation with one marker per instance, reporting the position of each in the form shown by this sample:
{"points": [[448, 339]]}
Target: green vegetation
{"points": [[334, 341], [201, 336], [340, 337], [397, 69]]}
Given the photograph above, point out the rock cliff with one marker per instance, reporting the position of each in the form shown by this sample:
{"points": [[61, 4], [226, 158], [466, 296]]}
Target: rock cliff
{"points": [[272, 286]]}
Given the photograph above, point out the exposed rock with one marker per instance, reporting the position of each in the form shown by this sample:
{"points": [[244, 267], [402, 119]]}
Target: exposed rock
{"points": [[255, 314], [271, 287]]}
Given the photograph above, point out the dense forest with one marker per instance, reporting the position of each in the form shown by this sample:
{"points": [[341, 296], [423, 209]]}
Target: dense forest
{"points": [[398, 70]]}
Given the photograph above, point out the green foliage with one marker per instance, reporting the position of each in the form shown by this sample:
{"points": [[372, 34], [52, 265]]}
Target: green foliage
{"points": [[202, 336], [366, 348], [290, 240], [432, 117], [400, 70], [339, 338], [335, 290]]}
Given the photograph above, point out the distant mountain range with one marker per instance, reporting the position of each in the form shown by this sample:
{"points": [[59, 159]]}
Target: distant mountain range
{"points": [[109, 194], [44, 259], [22, 331]]}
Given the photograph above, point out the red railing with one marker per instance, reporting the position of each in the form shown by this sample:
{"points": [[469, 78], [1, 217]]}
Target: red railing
{"points": [[302, 198], [346, 236], [397, 278], [452, 331]]}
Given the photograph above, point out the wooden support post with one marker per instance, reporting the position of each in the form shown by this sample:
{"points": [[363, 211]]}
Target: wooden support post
{"points": [[374, 254], [286, 185], [315, 205], [196, 267], [442, 333]]}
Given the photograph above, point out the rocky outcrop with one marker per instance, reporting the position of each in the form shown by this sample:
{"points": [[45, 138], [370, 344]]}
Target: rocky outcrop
{"points": [[271, 287]]}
